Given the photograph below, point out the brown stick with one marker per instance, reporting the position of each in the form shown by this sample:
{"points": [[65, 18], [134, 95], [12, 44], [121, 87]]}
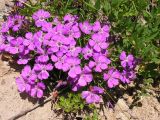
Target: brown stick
{"points": [[22, 113]]}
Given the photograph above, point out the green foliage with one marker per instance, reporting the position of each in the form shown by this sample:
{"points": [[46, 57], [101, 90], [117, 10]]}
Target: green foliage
{"points": [[72, 102], [137, 24], [93, 117]]}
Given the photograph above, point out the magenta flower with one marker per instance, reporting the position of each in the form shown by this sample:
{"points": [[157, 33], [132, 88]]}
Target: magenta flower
{"points": [[37, 90], [6, 25], [112, 77], [58, 45], [69, 18], [56, 20], [61, 33], [87, 52], [23, 59], [74, 71], [42, 70], [14, 22], [23, 85], [96, 90], [43, 58], [82, 79], [29, 41], [127, 76], [85, 77], [90, 97], [74, 32], [73, 65], [85, 27], [58, 30], [47, 27], [104, 31], [126, 61], [29, 74], [40, 17], [96, 26], [16, 45], [38, 39], [60, 59], [18, 22], [78, 50], [100, 63], [73, 51], [98, 43]]}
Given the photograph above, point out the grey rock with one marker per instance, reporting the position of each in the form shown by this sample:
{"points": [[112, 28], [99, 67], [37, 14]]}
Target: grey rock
{"points": [[121, 105]]}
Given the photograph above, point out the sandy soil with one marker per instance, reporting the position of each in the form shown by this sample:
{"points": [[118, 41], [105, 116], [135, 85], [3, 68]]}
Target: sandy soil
{"points": [[11, 102]]}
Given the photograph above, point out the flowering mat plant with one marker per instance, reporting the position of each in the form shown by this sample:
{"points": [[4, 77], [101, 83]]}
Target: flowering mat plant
{"points": [[79, 50], [65, 52]]}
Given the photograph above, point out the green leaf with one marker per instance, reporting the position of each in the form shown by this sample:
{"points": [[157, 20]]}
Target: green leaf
{"points": [[156, 60], [98, 4], [152, 36], [107, 7], [116, 3]]}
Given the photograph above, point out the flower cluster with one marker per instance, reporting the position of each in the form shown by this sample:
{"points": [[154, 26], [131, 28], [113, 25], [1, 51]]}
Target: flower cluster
{"points": [[57, 45], [114, 76], [128, 63], [14, 23]]}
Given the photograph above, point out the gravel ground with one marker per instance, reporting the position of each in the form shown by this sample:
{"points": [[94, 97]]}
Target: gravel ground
{"points": [[4, 7], [11, 102]]}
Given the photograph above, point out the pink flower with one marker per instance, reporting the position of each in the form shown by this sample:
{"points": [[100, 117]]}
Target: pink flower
{"points": [[85, 77], [127, 76], [42, 70], [100, 63], [29, 74], [23, 85], [40, 17], [126, 61], [91, 97], [60, 61], [103, 31], [74, 68], [87, 52], [16, 45], [37, 90], [85, 27], [96, 90], [29, 41], [112, 77], [98, 43], [7, 25]]}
